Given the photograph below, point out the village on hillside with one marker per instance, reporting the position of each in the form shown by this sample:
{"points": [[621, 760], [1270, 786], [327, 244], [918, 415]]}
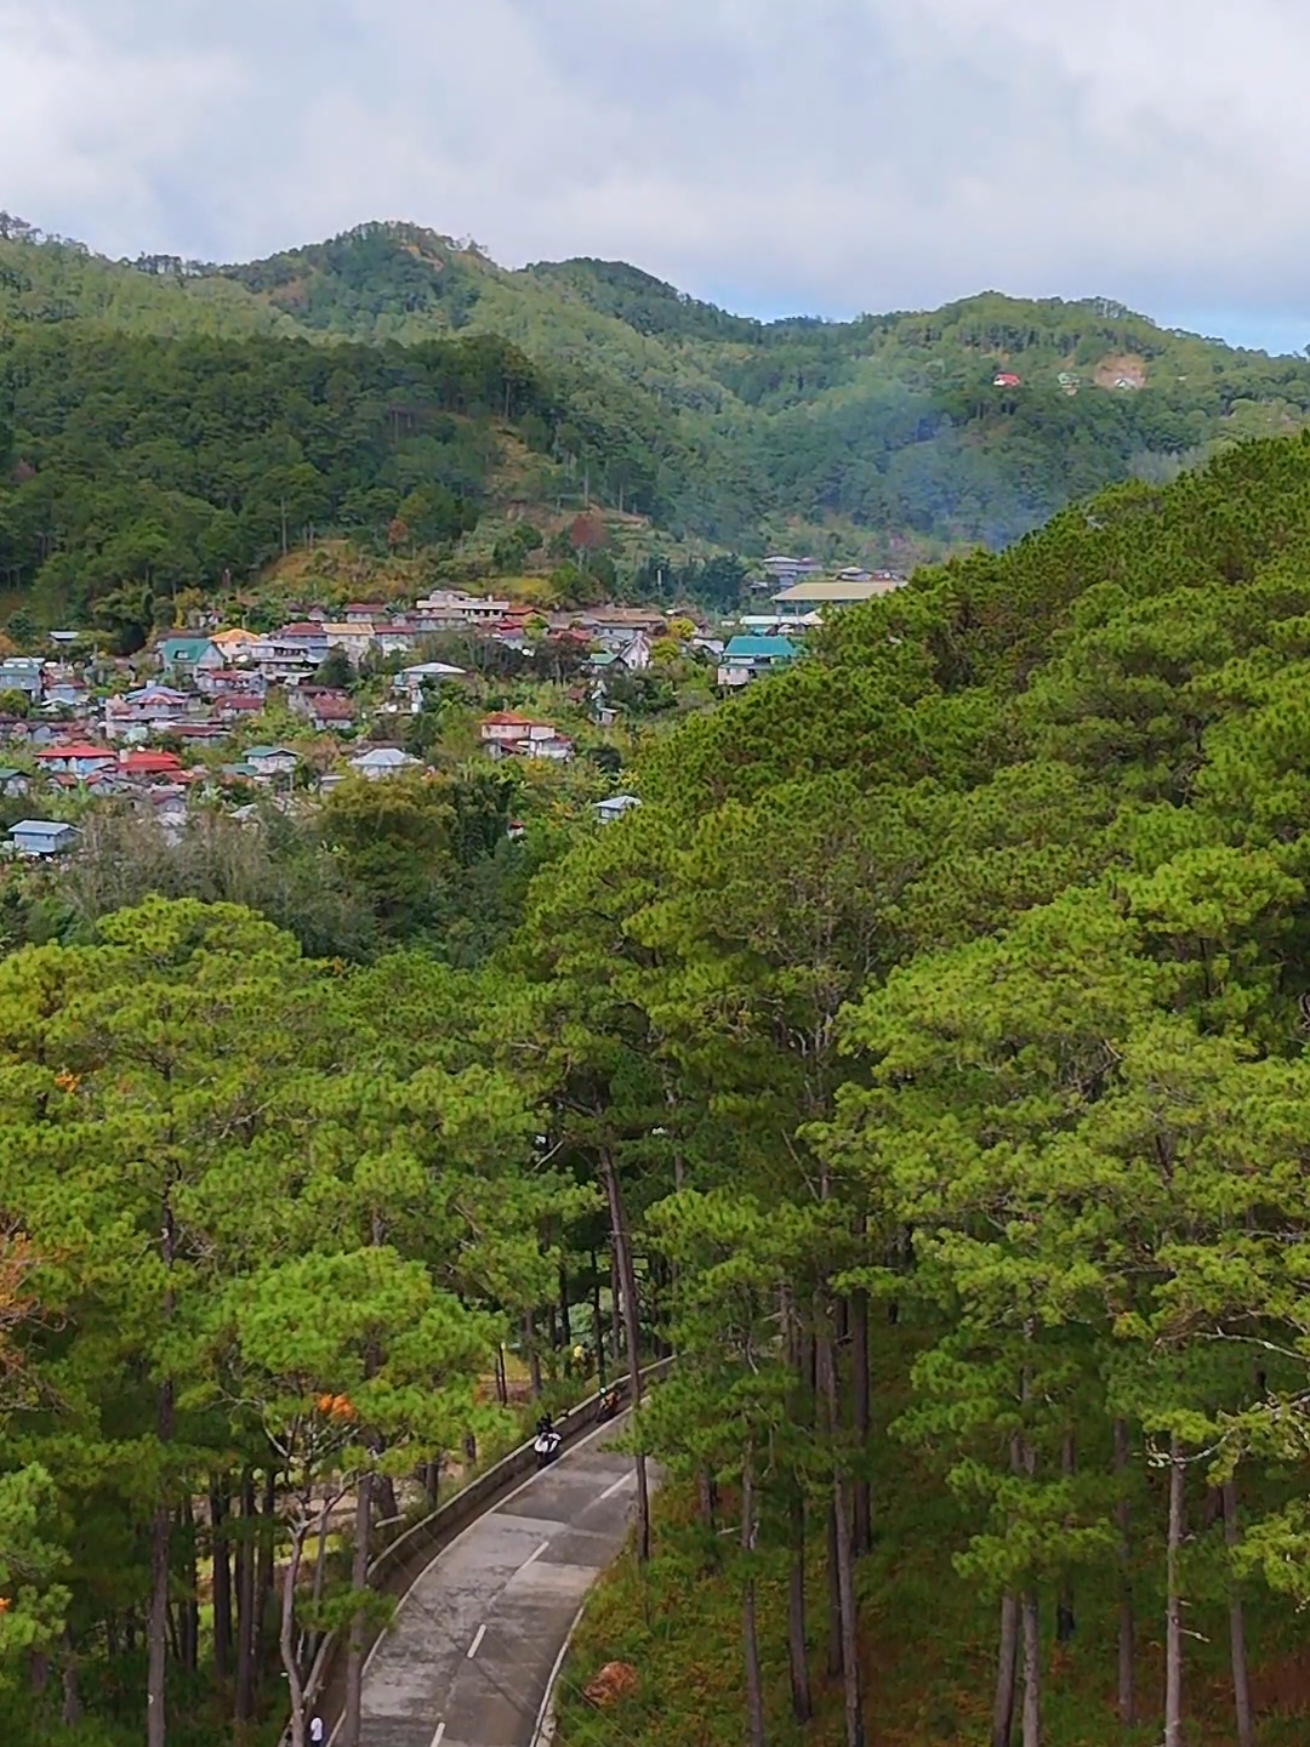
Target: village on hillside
{"points": [[227, 716]]}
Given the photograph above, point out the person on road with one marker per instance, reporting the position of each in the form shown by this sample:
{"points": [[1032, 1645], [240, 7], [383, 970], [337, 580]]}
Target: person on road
{"points": [[317, 1731], [547, 1441]]}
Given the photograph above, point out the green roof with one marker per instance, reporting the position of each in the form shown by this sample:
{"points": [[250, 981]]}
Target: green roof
{"points": [[760, 649], [184, 648]]}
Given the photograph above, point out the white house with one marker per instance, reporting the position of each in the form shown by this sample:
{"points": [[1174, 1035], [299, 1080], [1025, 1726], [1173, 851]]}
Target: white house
{"points": [[614, 808], [22, 673], [451, 607], [383, 761], [36, 837], [412, 681], [271, 761], [635, 653]]}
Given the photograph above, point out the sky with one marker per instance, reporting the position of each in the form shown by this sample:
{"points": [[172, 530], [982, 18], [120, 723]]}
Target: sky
{"points": [[776, 156]]}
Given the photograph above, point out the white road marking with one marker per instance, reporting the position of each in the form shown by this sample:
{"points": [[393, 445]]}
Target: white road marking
{"points": [[478, 1636], [617, 1487], [440, 1735], [533, 1557]]}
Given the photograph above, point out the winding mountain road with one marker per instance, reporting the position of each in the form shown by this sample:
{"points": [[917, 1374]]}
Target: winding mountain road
{"points": [[471, 1652]]}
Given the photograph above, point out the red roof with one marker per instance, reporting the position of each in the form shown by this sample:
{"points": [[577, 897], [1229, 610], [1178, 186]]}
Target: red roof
{"points": [[507, 719], [238, 701], [151, 764], [333, 710], [82, 751], [302, 628]]}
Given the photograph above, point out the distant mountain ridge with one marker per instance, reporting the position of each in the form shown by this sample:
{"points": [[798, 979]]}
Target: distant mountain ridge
{"points": [[894, 435]]}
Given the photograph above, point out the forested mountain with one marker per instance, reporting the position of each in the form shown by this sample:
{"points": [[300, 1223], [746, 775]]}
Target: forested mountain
{"points": [[891, 429]]}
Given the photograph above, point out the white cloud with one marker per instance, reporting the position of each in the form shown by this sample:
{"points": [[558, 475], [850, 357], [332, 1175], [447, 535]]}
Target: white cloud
{"points": [[836, 155]]}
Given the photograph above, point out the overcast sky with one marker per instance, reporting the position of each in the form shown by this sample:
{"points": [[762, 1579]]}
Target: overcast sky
{"points": [[827, 156]]}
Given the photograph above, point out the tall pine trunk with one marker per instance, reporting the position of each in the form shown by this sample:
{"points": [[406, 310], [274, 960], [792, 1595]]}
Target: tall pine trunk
{"points": [[626, 1273], [1173, 1652], [222, 1581], [1127, 1623], [1032, 1670], [598, 1320], [1066, 1620], [161, 1532], [797, 1656], [842, 1516], [859, 1320], [189, 1625], [286, 1636], [1007, 1672], [750, 1633], [1237, 1627], [71, 1714], [245, 1567], [835, 1659], [1030, 1614], [157, 1624], [359, 1583]]}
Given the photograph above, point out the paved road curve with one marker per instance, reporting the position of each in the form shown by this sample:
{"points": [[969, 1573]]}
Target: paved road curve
{"points": [[469, 1655]]}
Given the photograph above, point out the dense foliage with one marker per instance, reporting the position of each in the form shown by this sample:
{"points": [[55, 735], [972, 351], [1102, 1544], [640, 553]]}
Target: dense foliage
{"points": [[963, 971], [151, 465]]}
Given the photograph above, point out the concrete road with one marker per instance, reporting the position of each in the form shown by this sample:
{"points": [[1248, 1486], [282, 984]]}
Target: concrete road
{"points": [[471, 1651]]}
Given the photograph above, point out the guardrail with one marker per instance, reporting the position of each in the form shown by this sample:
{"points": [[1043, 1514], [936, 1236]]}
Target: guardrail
{"points": [[403, 1561]]}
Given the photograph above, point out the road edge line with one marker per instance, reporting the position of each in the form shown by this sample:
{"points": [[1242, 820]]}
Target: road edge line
{"points": [[543, 1731]]}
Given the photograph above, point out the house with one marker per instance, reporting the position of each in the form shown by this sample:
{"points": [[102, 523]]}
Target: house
{"points": [[306, 635], [805, 598], [149, 710], [412, 681], [237, 707], [613, 809], [184, 657], [147, 766], [1006, 379], [784, 571], [397, 638], [270, 761], [746, 658], [23, 673], [353, 638], [79, 760], [39, 837], [235, 644], [12, 781], [505, 727], [280, 658], [322, 706], [66, 694], [449, 608], [615, 627], [554, 746], [201, 733], [365, 612], [634, 654], [383, 761], [213, 681]]}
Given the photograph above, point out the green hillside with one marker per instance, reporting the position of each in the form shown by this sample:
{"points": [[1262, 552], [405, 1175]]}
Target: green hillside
{"points": [[886, 437], [964, 970]]}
